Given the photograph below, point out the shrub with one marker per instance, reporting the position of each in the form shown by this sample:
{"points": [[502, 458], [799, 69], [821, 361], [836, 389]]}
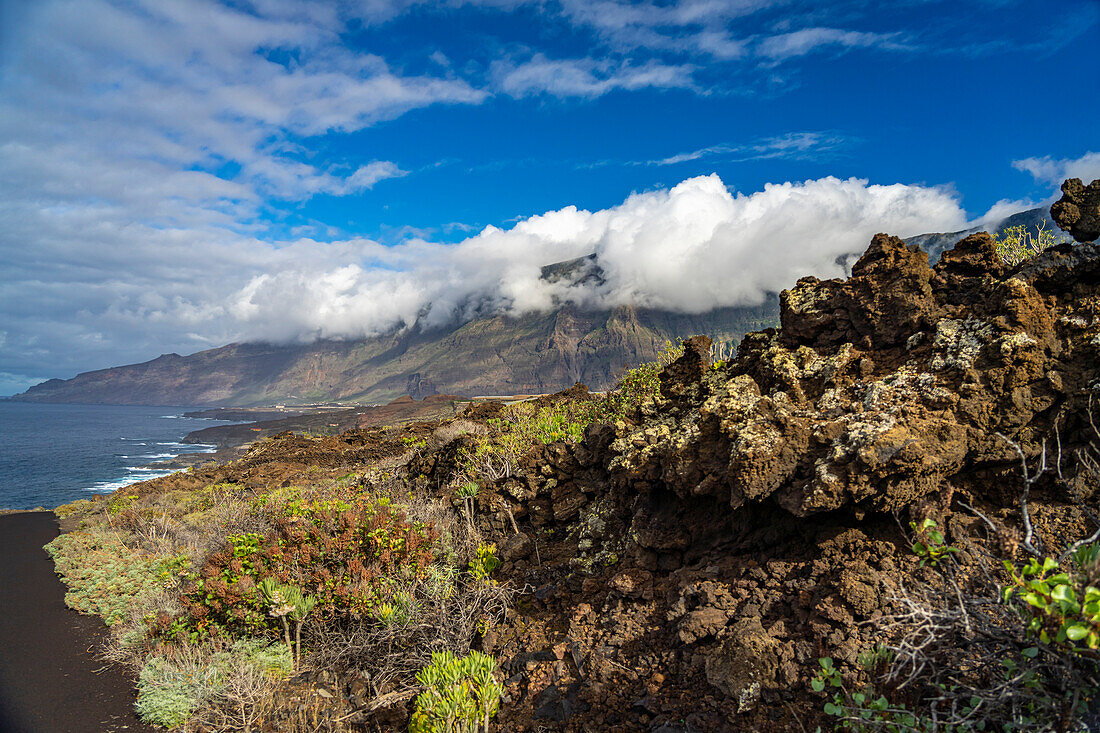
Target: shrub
{"points": [[104, 576], [167, 694], [642, 383], [460, 695], [468, 490], [967, 654], [171, 688], [523, 426], [286, 603], [1058, 607], [1016, 244], [337, 551], [484, 563], [929, 545]]}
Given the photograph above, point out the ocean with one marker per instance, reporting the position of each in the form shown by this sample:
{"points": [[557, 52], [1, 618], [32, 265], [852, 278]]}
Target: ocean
{"points": [[54, 454]]}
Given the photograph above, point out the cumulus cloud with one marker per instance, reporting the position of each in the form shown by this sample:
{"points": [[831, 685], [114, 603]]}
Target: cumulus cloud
{"points": [[690, 248], [135, 290], [1051, 170]]}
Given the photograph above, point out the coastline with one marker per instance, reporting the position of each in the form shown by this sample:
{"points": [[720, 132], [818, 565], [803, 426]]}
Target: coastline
{"points": [[57, 453]]}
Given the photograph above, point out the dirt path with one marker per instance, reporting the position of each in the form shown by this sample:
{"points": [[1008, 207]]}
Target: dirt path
{"points": [[50, 678]]}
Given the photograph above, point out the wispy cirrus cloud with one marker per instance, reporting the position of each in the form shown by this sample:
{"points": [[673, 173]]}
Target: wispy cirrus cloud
{"points": [[791, 145], [687, 26], [808, 40], [587, 77]]}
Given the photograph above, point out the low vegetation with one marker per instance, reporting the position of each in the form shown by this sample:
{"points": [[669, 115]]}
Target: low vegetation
{"points": [[236, 589], [1016, 244], [461, 695], [991, 645]]}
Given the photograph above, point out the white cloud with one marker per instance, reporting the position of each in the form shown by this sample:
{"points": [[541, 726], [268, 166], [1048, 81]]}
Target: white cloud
{"points": [[686, 26], [1051, 170], [134, 290], [690, 248], [807, 40], [587, 77], [368, 175], [1003, 209], [791, 145], [168, 89]]}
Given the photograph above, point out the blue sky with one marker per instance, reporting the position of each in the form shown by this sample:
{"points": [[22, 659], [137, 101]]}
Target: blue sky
{"points": [[178, 174]]}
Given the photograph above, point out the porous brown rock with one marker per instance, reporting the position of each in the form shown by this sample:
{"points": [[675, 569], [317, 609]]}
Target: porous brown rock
{"points": [[1078, 211], [883, 388]]}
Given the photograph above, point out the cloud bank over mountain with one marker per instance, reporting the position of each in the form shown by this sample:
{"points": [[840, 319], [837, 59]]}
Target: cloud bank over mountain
{"points": [[690, 248]]}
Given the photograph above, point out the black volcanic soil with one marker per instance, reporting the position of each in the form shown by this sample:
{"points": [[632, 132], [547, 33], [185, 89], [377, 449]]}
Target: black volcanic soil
{"points": [[50, 678]]}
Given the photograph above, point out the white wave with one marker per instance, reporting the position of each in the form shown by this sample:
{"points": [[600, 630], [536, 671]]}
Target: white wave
{"points": [[106, 487]]}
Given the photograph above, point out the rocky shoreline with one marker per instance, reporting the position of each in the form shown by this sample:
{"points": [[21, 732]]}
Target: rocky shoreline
{"points": [[261, 423]]}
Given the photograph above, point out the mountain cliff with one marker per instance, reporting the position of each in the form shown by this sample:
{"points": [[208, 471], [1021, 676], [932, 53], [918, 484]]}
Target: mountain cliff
{"points": [[533, 353]]}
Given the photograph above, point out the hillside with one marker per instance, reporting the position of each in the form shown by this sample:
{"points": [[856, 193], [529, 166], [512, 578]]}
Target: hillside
{"points": [[935, 244], [498, 354], [539, 352]]}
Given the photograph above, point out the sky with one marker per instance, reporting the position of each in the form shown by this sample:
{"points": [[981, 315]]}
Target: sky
{"points": [[176, 175]]}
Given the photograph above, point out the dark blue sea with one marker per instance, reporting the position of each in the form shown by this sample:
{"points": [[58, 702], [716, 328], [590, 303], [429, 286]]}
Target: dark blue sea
{"points": [[53, 454]]}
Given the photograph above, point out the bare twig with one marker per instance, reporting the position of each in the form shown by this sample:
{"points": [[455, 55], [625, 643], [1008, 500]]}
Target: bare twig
{"points": [[1028, 480], [979, 515]]}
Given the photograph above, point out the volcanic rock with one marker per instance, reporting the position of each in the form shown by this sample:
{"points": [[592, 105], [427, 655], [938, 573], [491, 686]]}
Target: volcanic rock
{"points": [[883, 388], [1078, 211]]}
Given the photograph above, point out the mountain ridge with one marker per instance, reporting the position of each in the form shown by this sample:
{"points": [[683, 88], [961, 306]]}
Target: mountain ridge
{"points": [[532, 353]]}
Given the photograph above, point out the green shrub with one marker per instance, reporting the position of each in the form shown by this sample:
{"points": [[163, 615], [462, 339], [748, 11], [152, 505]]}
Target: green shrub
{"points": [[866, 711], [1058, 607], [104, 576], [929, 545], [467, 490], [80, 506], [484, 563], [1016, 244], [287, 603], [460, 695], [171, 689], [982, 657], [641, 383], [168, 694]]}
